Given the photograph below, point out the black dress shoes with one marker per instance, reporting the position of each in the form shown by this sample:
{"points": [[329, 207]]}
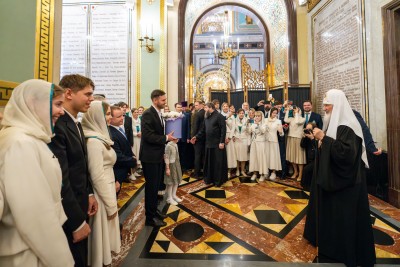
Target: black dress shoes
{"points": [[161, 215], [155, 222]]}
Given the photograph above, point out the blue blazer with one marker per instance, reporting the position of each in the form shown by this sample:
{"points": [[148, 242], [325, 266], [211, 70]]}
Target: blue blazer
{"points": [[185, 127], [125, 160]]}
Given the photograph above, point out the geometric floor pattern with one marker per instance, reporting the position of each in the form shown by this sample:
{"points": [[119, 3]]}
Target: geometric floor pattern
{"points": [[247, 220], [274, 207], [129, 191]]}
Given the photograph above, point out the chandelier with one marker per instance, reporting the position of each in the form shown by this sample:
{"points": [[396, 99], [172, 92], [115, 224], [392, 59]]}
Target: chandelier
{"points": [[226, 45]]}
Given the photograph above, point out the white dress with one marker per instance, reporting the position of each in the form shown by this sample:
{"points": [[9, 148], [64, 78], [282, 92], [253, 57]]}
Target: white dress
{"points": [[230, 147], [242, 139], [258, 149], [31, 231], [105, 235], [136, 128], [274, 159]]}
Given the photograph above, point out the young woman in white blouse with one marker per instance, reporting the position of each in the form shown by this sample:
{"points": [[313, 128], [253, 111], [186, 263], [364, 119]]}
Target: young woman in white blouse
{"points": [[241, 138], [295, 154], [274, 128], [258, 163], [230, 146]]}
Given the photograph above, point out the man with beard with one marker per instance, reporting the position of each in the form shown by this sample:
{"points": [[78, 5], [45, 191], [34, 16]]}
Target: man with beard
{"points": [[151, 155], [264, 107], [338, 220], [311, 116], [215, 161]]}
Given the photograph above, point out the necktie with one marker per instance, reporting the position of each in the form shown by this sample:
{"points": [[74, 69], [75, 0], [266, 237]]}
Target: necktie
{"points": [[307, 114], [122, 131], [80, 131]]}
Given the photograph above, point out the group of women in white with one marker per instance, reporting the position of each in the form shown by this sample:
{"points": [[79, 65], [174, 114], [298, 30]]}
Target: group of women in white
{"points": [[251, 138]]}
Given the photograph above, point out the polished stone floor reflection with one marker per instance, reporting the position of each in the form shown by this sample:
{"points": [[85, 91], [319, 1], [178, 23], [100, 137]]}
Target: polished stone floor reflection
{"points": [[242, 221]]}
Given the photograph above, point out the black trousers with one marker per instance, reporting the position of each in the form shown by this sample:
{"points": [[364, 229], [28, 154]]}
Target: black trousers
{"points": [[282, 151], [79, 250], [153, 174], [199, 151]]}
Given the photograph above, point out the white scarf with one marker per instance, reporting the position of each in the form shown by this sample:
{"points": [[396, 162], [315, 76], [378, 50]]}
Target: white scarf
{"points": [[342, 114]]}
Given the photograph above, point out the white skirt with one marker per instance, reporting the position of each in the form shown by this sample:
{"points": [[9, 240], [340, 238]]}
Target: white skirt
{"points": [[242, 149], [231, 155], [274, 156], [105, 235], [259, 157], [136, 147]]}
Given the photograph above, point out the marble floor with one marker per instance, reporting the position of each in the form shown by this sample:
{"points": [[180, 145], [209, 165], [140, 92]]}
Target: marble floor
{"points": [[243, 223]]}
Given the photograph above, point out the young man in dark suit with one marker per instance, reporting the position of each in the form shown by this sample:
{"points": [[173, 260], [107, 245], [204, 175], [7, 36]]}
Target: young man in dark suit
{"points": [[125, 158], [151, 155], [127, 122], [69, 146], [311, 116]]}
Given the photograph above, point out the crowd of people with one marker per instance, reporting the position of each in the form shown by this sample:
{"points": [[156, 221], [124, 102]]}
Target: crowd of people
{"points": [[65, 153]]}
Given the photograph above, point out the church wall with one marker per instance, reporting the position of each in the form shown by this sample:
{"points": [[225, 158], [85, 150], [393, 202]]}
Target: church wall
{"points": [[17, 46], [302, 46], [376, 108], [173, 58]]}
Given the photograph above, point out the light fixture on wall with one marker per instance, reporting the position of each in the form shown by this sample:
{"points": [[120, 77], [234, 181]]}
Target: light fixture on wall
{"points": [[148, 40], [150, 1]]}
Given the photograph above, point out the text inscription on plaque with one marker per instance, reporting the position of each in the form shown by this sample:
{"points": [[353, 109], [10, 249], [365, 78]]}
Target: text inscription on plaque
{"points": [[338, 52]]}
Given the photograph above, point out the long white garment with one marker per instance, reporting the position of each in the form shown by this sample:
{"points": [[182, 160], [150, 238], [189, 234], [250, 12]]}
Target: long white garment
{"points": [[258, 149], [136, 128], [242, 139], [274, 159], [31, 231], [105, 235], [230, 147]]}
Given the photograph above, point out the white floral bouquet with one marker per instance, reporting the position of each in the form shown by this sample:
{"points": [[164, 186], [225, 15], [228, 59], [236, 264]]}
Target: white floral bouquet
{"points": [[172, 115]]}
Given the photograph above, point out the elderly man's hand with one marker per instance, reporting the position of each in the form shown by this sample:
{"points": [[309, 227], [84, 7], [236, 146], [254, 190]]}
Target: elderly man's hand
{"points": [[318, 134]]}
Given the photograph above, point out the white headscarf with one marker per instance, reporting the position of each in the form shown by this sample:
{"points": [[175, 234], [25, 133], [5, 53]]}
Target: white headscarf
{"points": [[342, 114], [30, 109], [94, 123]]}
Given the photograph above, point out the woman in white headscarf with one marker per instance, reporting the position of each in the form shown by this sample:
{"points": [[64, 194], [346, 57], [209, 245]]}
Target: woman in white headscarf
{"points": [[31, 222], [105, 236], [258, 163]]}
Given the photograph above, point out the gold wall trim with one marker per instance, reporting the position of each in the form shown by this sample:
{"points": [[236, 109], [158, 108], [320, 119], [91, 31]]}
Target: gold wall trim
{"points": [[139, 53], [162, 45], [311, 4], [44, 40], [6, 89]]}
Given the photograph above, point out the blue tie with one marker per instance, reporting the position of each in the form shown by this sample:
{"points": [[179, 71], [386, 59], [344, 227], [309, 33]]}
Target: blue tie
{"points": [[307, 118], [122, 131]]}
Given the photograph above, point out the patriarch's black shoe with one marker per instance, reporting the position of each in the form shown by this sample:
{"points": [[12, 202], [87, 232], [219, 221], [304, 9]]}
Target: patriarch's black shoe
{"points": [[155, 222], [161, 215]]}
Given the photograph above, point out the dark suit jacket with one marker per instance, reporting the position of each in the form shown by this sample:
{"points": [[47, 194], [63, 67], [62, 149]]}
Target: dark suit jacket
{"points": [[198, 123], [152, 144], [368, 140], [71, 152], [128, 129], [214, 130], [316, 118], [125, 160], [185, 127]]}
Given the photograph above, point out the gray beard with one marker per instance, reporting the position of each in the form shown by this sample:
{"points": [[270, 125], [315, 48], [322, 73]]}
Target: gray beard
{"points": [[327, 119]]}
